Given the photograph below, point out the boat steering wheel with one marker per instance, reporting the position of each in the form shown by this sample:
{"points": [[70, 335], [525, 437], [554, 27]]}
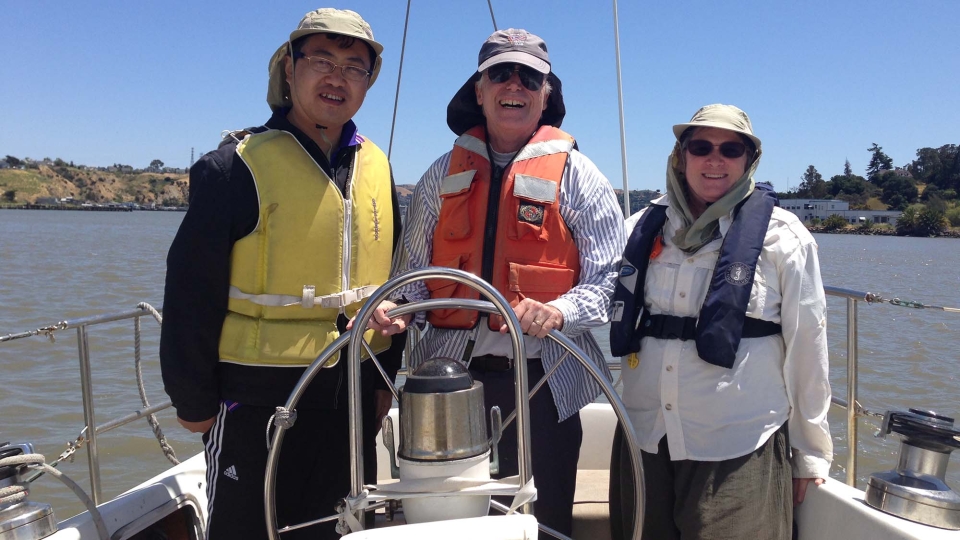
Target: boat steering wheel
{"points": [[354, 340]]}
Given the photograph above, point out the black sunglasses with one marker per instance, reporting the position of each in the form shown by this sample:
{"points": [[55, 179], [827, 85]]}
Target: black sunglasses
{"points": [[729, 149], [530, 78]]}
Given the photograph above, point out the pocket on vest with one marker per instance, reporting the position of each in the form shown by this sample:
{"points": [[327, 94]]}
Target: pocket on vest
{"points": [[455, 218], [444, 288], [539, 282]]}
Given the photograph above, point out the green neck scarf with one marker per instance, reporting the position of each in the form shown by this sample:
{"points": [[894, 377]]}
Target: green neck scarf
{"points": [[694, 233]]}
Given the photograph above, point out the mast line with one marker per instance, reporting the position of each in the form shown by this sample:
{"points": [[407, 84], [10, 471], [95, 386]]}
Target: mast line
{"points": [[490, 5], [623, 136], [396, 97]]}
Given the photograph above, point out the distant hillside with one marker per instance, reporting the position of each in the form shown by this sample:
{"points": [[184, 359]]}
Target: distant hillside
{"points": [[19, 186], [639, 198], [26, 186], [95, 185]]}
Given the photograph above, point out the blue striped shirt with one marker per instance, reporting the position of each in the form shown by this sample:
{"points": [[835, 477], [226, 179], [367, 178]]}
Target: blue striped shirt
{"points": [[589, 208]]}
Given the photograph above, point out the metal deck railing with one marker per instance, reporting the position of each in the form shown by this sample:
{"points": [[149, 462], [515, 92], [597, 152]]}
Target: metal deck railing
{"points": [[89, 436]]}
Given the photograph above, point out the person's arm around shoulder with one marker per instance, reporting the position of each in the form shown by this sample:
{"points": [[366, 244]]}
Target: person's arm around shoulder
{"points": [[806, 362], [596, 220]]}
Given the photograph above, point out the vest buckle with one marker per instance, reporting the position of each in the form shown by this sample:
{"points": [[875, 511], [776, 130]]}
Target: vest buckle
{"points": [[309, 292]]}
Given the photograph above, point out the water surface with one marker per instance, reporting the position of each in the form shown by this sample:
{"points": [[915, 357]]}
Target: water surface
{"points": [[64, 265]]}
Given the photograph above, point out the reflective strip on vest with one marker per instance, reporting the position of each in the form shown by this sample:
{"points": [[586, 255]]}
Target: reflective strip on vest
{"points": [[471, 144], [455, 183], [534, 188], [308, 299], [543, 148]]}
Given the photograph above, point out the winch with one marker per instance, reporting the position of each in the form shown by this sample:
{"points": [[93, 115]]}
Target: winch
{"points": [[20, 518], [916, 490], [443, 434]]}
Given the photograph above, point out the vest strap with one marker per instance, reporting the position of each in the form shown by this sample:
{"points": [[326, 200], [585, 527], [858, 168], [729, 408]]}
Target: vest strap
{"points": [[685, 328], [307, 300]]}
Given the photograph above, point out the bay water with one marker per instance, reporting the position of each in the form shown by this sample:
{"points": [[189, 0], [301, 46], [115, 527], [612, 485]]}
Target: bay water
{"points": [[58, 266]]}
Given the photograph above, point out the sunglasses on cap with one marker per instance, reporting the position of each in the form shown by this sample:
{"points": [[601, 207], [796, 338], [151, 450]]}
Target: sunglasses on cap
{"points": [[530, 78], [729, 149]]}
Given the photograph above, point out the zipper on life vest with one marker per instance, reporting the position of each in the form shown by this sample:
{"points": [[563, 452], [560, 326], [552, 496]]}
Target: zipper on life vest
{"points": [[345, 268], [347, 226], [492, 218]]}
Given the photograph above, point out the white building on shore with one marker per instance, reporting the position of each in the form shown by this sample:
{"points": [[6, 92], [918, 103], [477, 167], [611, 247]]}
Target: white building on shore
{"points": [[810, 209]]}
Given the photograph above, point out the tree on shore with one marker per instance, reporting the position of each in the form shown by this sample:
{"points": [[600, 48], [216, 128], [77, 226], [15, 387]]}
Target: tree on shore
{"points": [[812, 184], [156, 164], [14, 162], [938, 167], [919, 220], [10, 195], [851, 188], [879, 161], [834, 222], [898, 191]]}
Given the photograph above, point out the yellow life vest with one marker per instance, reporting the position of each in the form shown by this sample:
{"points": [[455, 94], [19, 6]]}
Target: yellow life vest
{"points": [[312, 255]]}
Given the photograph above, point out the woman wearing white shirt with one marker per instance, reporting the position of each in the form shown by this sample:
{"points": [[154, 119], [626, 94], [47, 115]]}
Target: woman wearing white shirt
{"points": [[719, 316]]}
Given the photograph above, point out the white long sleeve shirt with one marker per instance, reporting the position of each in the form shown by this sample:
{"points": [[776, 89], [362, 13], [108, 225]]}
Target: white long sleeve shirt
{"points": [[710, 413], [589, 208]]}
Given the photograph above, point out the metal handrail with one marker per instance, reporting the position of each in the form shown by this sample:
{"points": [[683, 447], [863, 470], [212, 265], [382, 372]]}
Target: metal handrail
{"points": [[850, 404], [88, 436], [857, 411], [853, 413]]}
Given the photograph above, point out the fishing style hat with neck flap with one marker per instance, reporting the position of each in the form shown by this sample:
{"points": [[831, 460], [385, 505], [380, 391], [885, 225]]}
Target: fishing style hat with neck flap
{"points": [[506, 46], [721, 116], [321, 21]]}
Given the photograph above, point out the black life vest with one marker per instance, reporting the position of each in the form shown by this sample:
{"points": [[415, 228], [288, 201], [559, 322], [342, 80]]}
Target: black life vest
{"points": [[722, 322]]}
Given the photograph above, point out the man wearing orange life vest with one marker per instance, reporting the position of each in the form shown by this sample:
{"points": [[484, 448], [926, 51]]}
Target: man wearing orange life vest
{"points": [[516, 203]]}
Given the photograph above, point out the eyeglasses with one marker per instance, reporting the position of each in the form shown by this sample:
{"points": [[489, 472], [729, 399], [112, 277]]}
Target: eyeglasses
{"points": [[729, 149], [322, 65], [530, 78]]}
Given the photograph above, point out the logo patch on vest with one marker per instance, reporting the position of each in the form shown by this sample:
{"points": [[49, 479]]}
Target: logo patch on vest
{"points": [[531, 213], [738, 274], [627, 270]]}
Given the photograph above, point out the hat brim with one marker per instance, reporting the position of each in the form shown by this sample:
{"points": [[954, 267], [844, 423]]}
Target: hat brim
{"points": [[680, 128], [463, 111], [518, 57], [297, 34]]}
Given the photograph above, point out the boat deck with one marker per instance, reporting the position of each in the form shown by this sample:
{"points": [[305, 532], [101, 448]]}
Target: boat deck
{"points": [[591, 515]]}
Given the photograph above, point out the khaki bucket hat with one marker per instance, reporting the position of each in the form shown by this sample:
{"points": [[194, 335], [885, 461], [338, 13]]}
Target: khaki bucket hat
{"points": [[720, 116], [321, 21]]}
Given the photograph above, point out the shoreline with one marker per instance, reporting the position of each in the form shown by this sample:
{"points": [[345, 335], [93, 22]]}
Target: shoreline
{"points": [[91, 208], [877, 231], [872, 231]]}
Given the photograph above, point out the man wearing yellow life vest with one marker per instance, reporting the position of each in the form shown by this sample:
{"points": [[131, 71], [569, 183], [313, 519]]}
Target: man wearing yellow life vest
{"points": [[516, 203], [291, 227]]}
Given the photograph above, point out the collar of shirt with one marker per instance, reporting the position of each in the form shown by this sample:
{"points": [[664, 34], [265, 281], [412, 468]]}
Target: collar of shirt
{"points": [[349, 137]]}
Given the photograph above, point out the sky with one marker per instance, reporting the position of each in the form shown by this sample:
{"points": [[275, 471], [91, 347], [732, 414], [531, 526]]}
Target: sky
{"points": [[127, 82]]}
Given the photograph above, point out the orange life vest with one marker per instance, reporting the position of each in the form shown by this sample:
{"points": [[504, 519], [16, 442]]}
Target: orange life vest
{"points": [[534, 254]]}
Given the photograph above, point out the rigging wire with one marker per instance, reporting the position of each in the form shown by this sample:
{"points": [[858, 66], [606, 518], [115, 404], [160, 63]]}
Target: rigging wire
{"points": [[490, 5], [623, 133], [873, 298], [396, 97]]}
